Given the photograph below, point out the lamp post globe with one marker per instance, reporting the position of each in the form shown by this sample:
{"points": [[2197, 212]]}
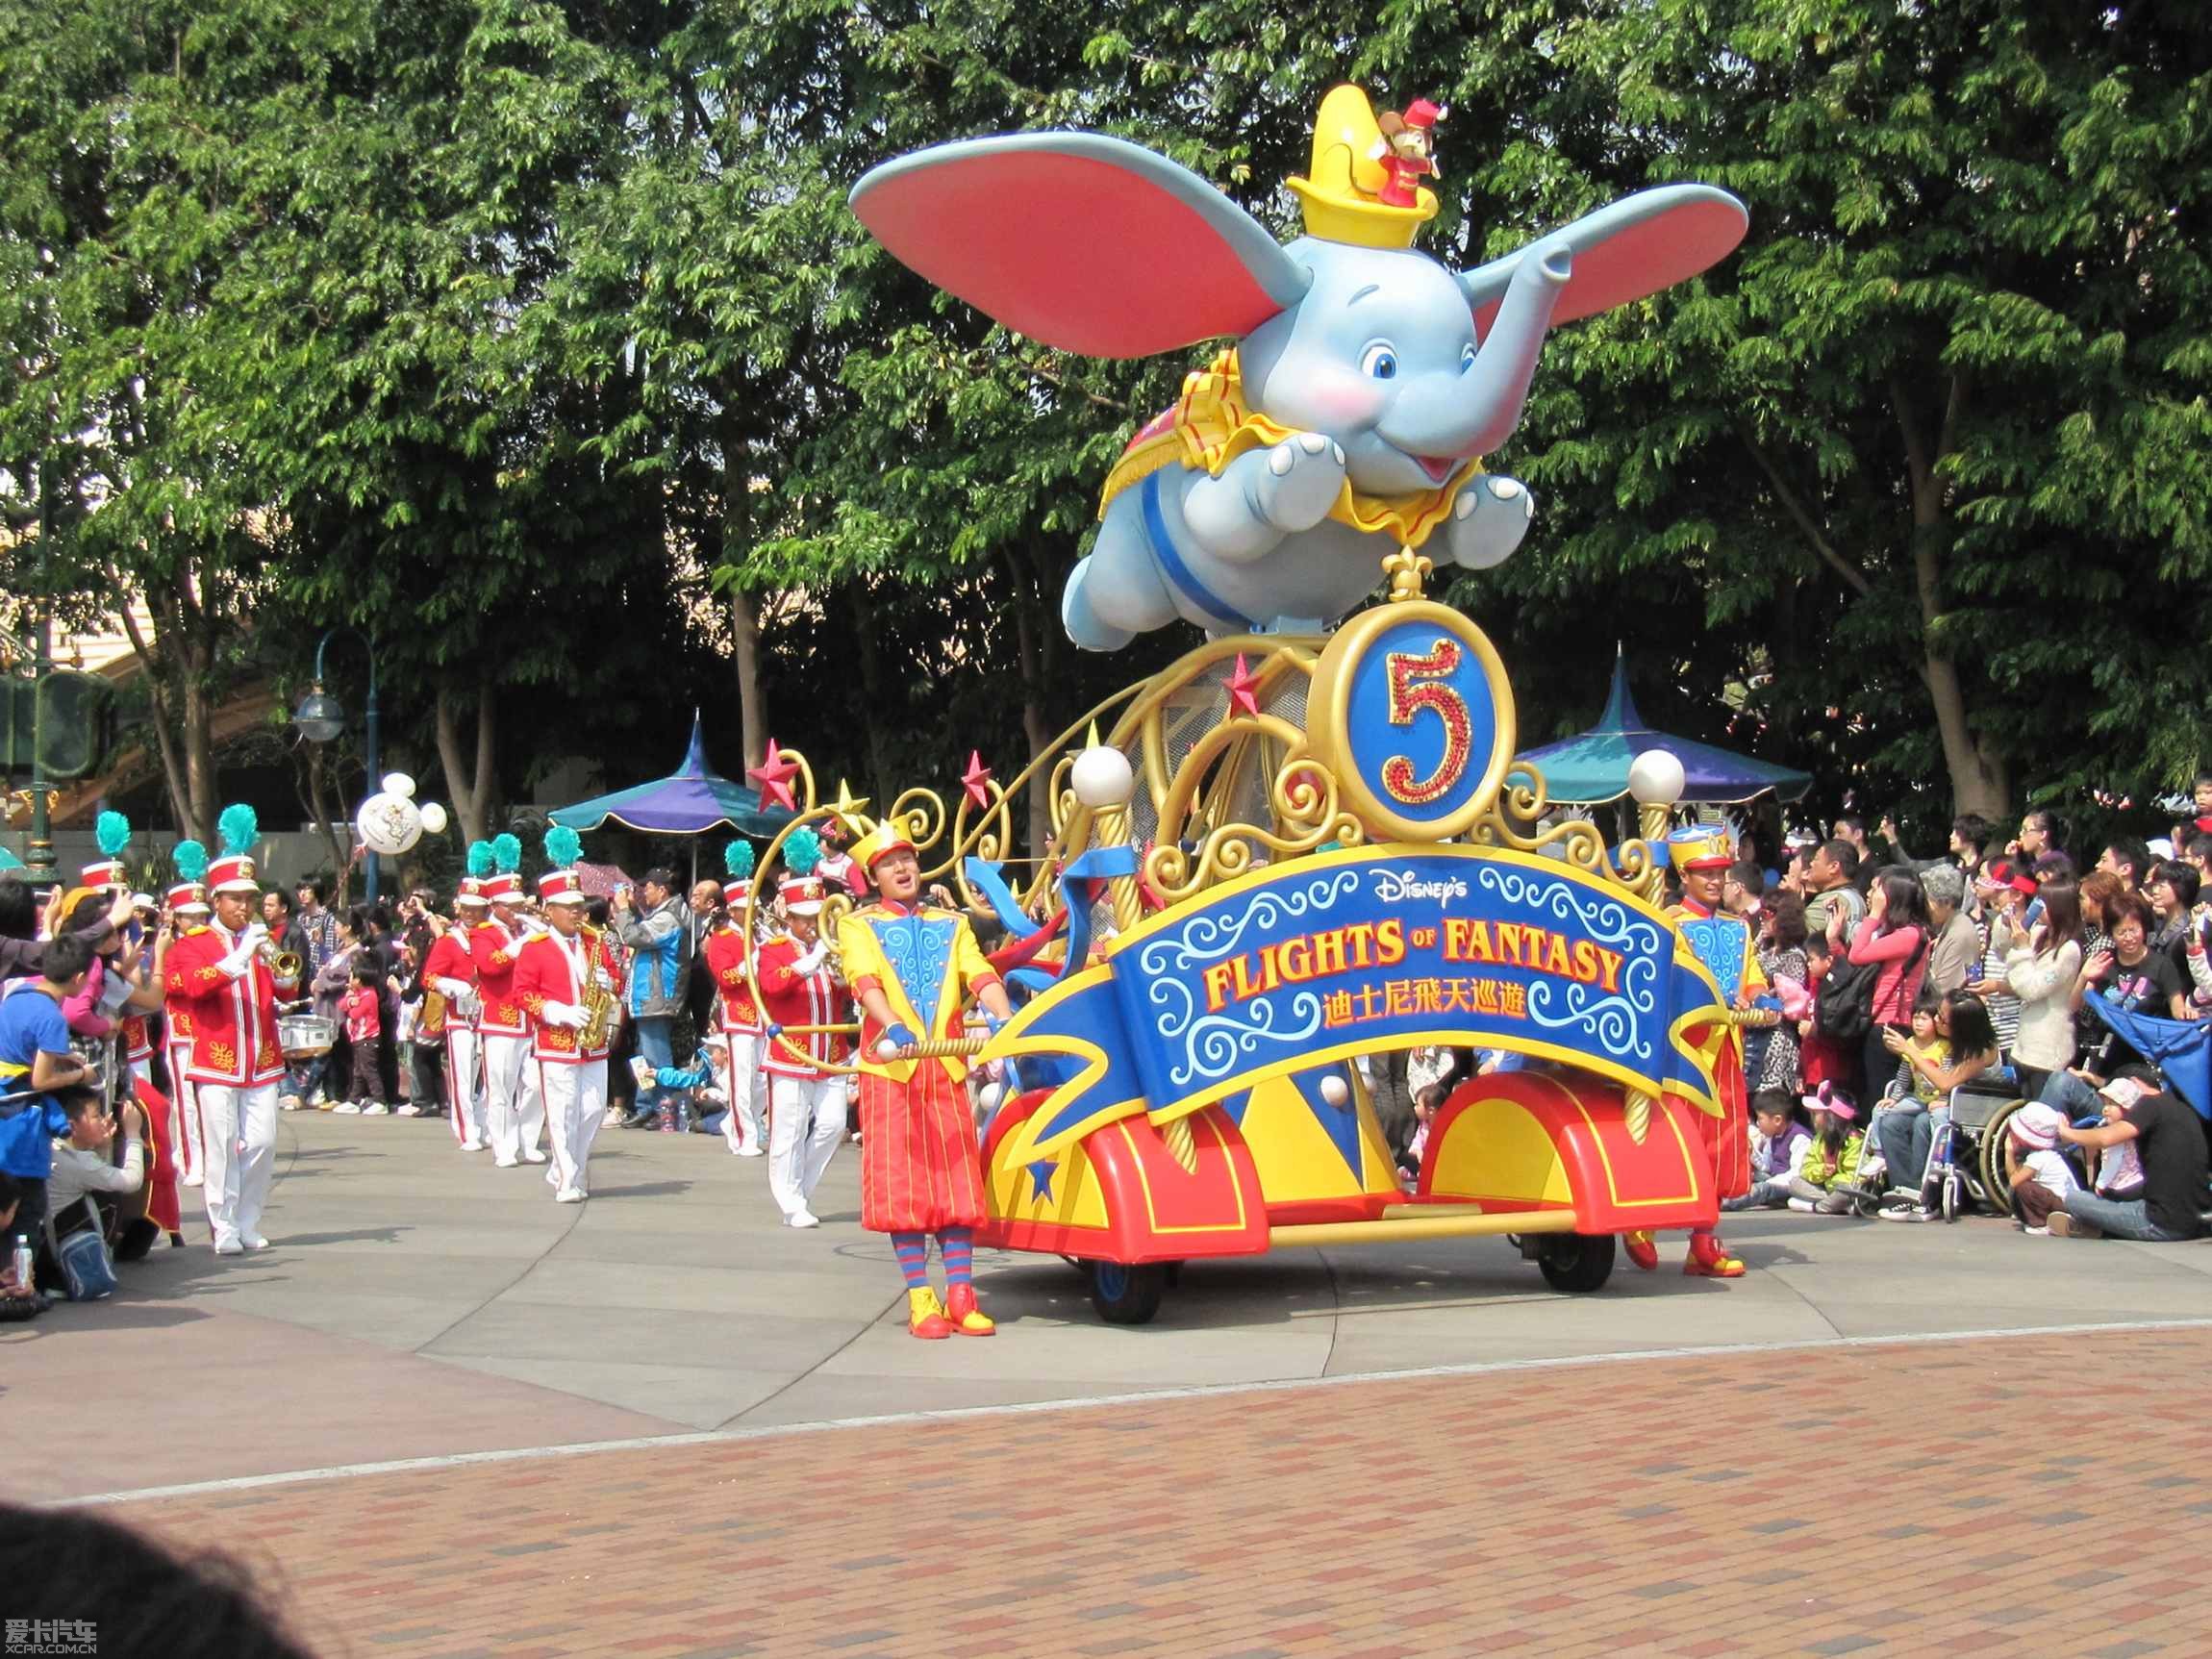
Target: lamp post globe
{"points": [[319, 718]]}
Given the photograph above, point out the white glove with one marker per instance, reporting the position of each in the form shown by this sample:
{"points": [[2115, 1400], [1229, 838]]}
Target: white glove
{"points": [[810, 961], [241, 959], [452, 990], [566, 1014]]}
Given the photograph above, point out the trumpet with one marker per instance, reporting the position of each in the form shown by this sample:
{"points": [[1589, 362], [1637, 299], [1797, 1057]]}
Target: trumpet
{"points": [[285, 966]]}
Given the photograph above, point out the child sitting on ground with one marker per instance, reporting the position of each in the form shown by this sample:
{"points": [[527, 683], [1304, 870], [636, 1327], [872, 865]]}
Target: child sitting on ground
{"points": [[2040, 1177], [1779, 1147], [362, 1011], [2120, 1166], [704, 1099], [1825, 1180]]}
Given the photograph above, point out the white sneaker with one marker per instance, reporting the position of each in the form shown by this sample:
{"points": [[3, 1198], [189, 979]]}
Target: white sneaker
{"points": [[255, 1241], [568, 1195], [503, 1162], [752, 1153], [533, 1156], [1803, 1206], [2037, 1232], [289, 1103], [613, 1118], [376, 1109], [347, 1108], [229, 1247], [409, 1109], [472, 1144], [803, 1219], [194, 1179]]}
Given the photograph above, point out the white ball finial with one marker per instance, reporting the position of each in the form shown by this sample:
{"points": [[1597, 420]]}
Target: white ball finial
{"points": [[1102, 778], [1655, 778], [1335, 1091]]}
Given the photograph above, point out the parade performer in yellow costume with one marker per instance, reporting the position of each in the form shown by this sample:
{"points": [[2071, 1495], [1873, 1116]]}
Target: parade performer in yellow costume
{"points": [[1723, 943], [912, 966]]}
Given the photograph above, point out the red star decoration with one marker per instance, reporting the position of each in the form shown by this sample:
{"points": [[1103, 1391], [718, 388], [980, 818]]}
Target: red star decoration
{"points": [[773, 776], [1241, 683], [976, 781]]}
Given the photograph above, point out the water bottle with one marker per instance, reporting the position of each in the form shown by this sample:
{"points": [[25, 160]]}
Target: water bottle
{"points": [[24, 1263]]}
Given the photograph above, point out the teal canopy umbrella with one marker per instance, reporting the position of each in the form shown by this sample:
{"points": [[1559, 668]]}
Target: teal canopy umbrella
{"points": [[690, 801], [1592, 768]]}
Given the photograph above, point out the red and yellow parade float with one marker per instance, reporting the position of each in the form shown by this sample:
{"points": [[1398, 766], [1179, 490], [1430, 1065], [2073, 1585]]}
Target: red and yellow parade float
{"points": [[1297, 849]]}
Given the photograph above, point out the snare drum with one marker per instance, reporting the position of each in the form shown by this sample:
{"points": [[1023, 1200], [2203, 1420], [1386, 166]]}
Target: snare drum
{"points": [[306, 1036]]}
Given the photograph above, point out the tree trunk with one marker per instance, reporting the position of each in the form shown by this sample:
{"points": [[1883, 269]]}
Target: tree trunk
{"points": [[752, 701], [882, 787], [1979, 778], [199, 745], [1036, 725], [469, 787], [318, 798]]}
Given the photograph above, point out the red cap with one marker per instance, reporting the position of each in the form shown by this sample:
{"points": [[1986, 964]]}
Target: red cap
{"points": [[561, 887], [1421, 112]]}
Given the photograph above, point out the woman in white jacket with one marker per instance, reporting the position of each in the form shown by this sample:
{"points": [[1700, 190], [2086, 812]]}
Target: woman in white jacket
{"points": [[2040, 968]]}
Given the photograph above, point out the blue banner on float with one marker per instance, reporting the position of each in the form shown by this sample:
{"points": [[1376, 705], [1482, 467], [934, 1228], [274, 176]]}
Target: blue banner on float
{"points": [[1370, 950]]}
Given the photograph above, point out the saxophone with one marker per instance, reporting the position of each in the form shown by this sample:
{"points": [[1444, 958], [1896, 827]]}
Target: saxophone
{"points": [[598, 996]]}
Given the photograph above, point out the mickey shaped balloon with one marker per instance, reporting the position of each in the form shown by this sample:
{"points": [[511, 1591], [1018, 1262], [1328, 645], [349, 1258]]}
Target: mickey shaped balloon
{"points": [[390, 822]]}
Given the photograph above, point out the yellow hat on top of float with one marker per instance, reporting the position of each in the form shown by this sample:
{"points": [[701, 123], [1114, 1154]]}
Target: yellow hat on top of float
{"points": [[1338, 195], [1701, 846]]}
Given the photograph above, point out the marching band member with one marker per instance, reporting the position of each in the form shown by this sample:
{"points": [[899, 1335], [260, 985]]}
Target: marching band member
{"points": [[513, 1110], [806, 1103], [557, 975], [737, 1020], [920, 1167], [224, 977], [449, 968], [1724, 944], [186, 906]]}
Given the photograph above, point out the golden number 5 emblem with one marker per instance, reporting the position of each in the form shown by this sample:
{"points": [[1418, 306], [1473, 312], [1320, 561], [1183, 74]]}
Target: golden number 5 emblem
{"points": [[1410, 713], [1424, 682]]}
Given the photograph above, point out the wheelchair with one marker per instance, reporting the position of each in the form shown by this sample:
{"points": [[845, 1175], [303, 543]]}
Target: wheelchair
{"points": [[1966, 1152]]}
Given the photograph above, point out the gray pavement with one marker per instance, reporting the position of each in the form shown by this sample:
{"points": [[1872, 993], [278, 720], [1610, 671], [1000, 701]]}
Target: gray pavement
{"points": [[419, 1302]]}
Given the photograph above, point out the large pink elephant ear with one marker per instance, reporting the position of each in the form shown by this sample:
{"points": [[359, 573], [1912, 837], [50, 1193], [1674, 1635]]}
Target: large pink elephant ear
{"points": [[1082, 241], [1634, 247]]}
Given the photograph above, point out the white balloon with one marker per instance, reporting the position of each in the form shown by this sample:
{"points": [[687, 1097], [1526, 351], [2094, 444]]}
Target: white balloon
{"points": [[1102, 778], [389, 824], [1335, 1090], [434, 819], [398, 784], [887, 1050]]}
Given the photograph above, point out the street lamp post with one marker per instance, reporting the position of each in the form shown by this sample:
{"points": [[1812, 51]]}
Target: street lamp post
{"points": [[40, 865], [322, 719]]}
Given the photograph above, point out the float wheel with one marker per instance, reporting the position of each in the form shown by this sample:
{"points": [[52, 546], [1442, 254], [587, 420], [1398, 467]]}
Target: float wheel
{"points": [[1575, 1262], [1126, 1294]]}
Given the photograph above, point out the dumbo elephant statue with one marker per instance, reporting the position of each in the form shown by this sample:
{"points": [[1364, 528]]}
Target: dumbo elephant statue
{"points": [[1367, 381]]}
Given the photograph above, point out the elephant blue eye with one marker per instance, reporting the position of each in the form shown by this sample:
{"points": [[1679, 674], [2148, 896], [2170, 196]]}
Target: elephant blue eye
{"points": [[1380, 362], [1466, 357]]}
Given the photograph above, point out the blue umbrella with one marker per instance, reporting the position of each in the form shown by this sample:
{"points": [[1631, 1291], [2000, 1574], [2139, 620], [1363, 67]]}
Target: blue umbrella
{"points": [[690, 801], [1592, 767]]}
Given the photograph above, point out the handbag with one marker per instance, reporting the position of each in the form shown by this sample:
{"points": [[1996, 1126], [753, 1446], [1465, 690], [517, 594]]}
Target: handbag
{"points": [[86, 1269]]}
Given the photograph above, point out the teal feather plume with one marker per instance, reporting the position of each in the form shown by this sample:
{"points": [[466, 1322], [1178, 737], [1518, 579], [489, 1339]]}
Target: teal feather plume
{"points": [[802, 851], [480, 858], [737, 859], [240, 828], [506, 854], [191, 861], [9, 860], [564, 846], [112, 830]]}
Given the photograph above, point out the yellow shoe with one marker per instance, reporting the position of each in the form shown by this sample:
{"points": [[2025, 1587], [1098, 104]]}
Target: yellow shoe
{"points": [[924, 1319], [968, 1320]]}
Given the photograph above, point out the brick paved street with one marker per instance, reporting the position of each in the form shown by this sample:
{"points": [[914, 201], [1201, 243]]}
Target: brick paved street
{"points": [[1687, 1506]]}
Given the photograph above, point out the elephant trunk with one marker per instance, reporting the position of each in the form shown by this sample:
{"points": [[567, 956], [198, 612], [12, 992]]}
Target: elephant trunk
{"points": [[1507, 360]]}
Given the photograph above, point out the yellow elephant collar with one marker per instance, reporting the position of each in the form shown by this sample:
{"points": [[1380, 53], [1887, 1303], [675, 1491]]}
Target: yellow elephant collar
{"points": [[1210, 426]]}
